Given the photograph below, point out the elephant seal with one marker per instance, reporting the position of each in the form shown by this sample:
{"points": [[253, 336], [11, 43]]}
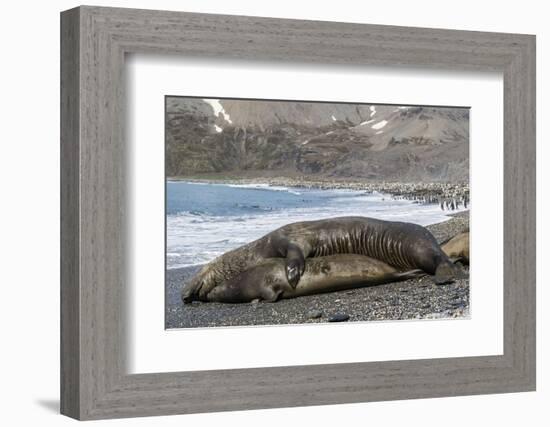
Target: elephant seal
{"points": [[268, 282], [457, 248], [402, 245]]}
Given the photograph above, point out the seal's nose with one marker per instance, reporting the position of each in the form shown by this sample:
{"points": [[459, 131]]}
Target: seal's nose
{"points": [[190, 291], [186, 298], [188, 294]]}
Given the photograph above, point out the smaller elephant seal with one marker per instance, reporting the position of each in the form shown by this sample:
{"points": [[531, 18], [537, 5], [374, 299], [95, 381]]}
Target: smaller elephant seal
{"points": [[457, 248], [267, 281]]}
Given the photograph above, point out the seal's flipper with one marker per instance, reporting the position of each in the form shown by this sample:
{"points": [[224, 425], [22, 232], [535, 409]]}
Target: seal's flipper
{"points": [[411, 274], [295, 264], [271, 295]]}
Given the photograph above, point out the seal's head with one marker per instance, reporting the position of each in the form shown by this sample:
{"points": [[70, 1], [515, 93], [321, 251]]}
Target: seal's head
{"points": [[199, 286], [447, 272], [263, 282], [188, 293]]}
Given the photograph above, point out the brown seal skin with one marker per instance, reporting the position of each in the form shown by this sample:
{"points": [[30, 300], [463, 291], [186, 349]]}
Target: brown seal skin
{"points": [[267, 281], [402, 245], [457, 248]]}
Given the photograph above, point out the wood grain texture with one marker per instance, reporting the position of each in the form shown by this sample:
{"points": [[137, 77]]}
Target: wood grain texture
{"points": [[94, 272], [70, 291]]}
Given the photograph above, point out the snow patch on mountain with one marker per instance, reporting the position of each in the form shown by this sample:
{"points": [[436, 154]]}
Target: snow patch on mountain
{"points": [[379, 125], [366, 122], [218, 108]]}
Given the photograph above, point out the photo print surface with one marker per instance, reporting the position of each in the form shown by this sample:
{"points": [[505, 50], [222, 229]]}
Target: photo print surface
{"points": [[295, 212]]}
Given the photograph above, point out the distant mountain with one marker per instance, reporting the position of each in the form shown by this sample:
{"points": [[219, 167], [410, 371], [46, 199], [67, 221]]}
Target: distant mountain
{"points": [[324, 140]]}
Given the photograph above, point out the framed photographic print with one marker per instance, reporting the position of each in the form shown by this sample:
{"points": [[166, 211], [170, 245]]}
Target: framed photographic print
{"points": [[246, 177], [282, 213]]}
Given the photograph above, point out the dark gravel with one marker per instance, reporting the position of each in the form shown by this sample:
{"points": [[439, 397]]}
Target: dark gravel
{"points": [[410, 299]]}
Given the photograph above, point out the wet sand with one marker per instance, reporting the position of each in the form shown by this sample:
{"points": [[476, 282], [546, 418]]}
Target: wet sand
{"points": [[411, 299]]}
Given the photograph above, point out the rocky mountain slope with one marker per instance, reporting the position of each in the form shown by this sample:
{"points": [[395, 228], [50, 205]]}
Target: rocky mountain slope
{"points": [[321, 140]]}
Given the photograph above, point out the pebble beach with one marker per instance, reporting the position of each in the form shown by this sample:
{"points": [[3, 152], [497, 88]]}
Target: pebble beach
{"points": [[412, 299]]}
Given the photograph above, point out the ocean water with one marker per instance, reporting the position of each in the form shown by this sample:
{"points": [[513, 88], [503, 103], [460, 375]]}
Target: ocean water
{"points": [[206, 220]]}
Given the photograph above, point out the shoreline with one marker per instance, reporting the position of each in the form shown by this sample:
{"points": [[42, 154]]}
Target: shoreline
{"points": [[407, 300], [447, 195]]}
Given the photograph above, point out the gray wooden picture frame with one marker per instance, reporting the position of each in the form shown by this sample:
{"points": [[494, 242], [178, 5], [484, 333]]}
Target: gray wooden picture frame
{"points": [[94, 382]]}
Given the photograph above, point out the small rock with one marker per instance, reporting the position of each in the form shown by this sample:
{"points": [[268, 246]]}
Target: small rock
{"points": [[340, 317], [337, 300], [314, 314], [255, 301]]}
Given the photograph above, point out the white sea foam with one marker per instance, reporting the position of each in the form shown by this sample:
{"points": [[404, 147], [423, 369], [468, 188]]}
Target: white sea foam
{"points": [[218, 129], [264, 187], [197, 239], [372, 110]]}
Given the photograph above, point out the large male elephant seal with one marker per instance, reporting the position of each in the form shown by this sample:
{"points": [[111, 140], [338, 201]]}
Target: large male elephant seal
{"points": [[268, 282], [402, 245]]}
